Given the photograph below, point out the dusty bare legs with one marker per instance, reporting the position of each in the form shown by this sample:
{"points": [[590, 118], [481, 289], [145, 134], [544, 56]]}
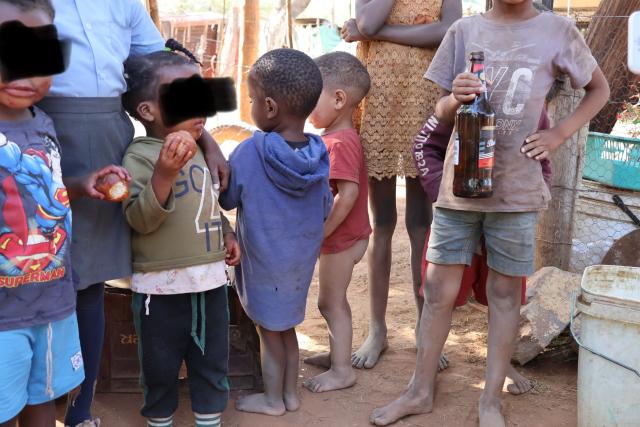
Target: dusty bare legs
{"points": [[279, 357], [417, 221], [335, 275], [443, 282], [503, 293], [418, 217], [382, 200], [504, 305]]}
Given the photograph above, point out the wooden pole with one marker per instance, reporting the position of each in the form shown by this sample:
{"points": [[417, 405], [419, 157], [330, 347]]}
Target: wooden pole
{"points": [[250, 42], [555, 225], [154, 13], [607, 39], [289, 25]]}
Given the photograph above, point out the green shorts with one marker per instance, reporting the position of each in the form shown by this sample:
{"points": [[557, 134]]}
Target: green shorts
{"points": [[509, 239]]}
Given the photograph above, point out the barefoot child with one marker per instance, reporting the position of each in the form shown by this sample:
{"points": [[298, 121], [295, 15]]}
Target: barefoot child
{"points": [[279, 184], [346, 231], [524, 51], [40, 357], [178, 241], [429, 152]]}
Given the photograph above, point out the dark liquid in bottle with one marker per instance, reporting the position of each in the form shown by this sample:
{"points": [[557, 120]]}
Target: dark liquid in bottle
{"points": [[475, 142]]}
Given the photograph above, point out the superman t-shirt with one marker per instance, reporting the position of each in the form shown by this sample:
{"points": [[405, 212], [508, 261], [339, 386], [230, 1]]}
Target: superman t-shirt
{"points": [[35, 226]]}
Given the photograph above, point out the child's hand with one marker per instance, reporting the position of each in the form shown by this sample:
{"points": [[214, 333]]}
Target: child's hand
{"points": [[233, 249], [465, 87], [179, 147], [540, 144], [350, 33], [90, 183]]}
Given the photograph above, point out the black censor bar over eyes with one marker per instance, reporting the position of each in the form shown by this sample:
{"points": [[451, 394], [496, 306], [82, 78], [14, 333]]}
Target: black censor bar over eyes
{"points": [[194, 97], [31, 51]]}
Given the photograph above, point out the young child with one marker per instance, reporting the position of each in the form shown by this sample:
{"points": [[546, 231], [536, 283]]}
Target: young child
{"points": [[347, 229], [524, 51], [279, 183], [40, 357], [178, 242]]}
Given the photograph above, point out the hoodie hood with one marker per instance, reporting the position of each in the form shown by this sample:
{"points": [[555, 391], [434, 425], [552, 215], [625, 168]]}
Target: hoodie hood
{"points": [[293, 171]]}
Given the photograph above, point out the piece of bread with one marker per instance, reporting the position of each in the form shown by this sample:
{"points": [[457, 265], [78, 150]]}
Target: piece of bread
{"points": [[114, 188]]}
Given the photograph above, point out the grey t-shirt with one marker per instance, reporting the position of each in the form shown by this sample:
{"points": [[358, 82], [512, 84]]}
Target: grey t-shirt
{"points": [[521, 62], [35, 226]]}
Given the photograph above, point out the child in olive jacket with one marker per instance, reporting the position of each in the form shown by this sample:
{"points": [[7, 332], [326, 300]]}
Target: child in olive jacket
{"points": [[178, 244]]}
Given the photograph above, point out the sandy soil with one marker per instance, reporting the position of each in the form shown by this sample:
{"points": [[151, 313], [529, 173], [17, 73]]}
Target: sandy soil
{"points": [[551, 404]]}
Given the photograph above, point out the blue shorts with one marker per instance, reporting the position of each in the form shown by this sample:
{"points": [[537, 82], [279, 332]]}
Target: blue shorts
{"points": [[509, 239], [38, 364]]}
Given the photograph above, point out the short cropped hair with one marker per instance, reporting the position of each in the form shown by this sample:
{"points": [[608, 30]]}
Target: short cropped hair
{"points": [[341, 70], [29, 5], [290, 77]]}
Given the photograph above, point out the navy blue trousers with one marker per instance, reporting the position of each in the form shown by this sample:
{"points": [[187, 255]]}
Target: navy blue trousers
{"points": [[172, 332]]}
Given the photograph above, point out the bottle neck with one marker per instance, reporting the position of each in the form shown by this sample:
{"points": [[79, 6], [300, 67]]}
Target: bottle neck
{"points": [[477, 68]]}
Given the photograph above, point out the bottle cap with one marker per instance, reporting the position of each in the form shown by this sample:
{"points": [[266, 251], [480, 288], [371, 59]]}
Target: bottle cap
{"points": [[477, 56]]}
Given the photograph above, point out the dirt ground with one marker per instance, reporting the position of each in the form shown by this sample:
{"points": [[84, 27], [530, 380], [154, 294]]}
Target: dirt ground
{"points": [[551, 404]]}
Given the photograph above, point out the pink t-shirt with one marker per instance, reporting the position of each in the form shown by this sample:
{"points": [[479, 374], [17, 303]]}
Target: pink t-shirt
{"points": [[346, 162], [521, 62]]}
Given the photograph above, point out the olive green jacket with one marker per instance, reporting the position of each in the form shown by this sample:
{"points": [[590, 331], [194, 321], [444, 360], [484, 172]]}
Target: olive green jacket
{"points": [[189, 229]]}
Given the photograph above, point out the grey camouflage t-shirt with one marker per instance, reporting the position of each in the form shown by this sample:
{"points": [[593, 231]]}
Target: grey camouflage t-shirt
{"points": [[521, 62]]}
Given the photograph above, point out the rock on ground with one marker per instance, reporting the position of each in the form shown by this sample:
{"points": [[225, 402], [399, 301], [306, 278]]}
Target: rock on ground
{"points": [[546, 313]]}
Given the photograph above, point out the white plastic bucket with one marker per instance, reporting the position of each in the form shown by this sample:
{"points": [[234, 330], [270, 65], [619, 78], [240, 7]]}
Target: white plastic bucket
{"points": [[609, 339]]}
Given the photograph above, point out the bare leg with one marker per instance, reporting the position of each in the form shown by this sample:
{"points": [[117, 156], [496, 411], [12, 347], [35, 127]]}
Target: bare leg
{"points": [[444, 283], [10, 423], [335, 276], [42, 415], [520, 383], [417, 220], [382, 201], [290, 392], [273, 358], [503, 293]]}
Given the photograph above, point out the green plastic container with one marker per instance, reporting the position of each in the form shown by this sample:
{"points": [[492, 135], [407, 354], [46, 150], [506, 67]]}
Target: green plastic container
{"points": [[613, 160]]}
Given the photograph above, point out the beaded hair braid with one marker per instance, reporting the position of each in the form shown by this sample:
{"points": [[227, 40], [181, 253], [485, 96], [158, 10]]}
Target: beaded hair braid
{"points": [[141, 73]]}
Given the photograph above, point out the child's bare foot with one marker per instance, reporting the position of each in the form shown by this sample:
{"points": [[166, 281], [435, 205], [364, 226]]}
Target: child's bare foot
{"points": [[521, 384], [331, 380], [291, 402], [490, 413], [322, 360], [368, 354], [259, 404], [402, 407]]}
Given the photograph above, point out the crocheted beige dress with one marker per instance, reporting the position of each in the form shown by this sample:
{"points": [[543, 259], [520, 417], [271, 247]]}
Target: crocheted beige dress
{"points": [[400, 99]]}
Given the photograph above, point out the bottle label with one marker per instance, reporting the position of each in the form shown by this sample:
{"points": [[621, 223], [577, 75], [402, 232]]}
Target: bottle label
{"points": [[487, 147], [456, 150]]}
